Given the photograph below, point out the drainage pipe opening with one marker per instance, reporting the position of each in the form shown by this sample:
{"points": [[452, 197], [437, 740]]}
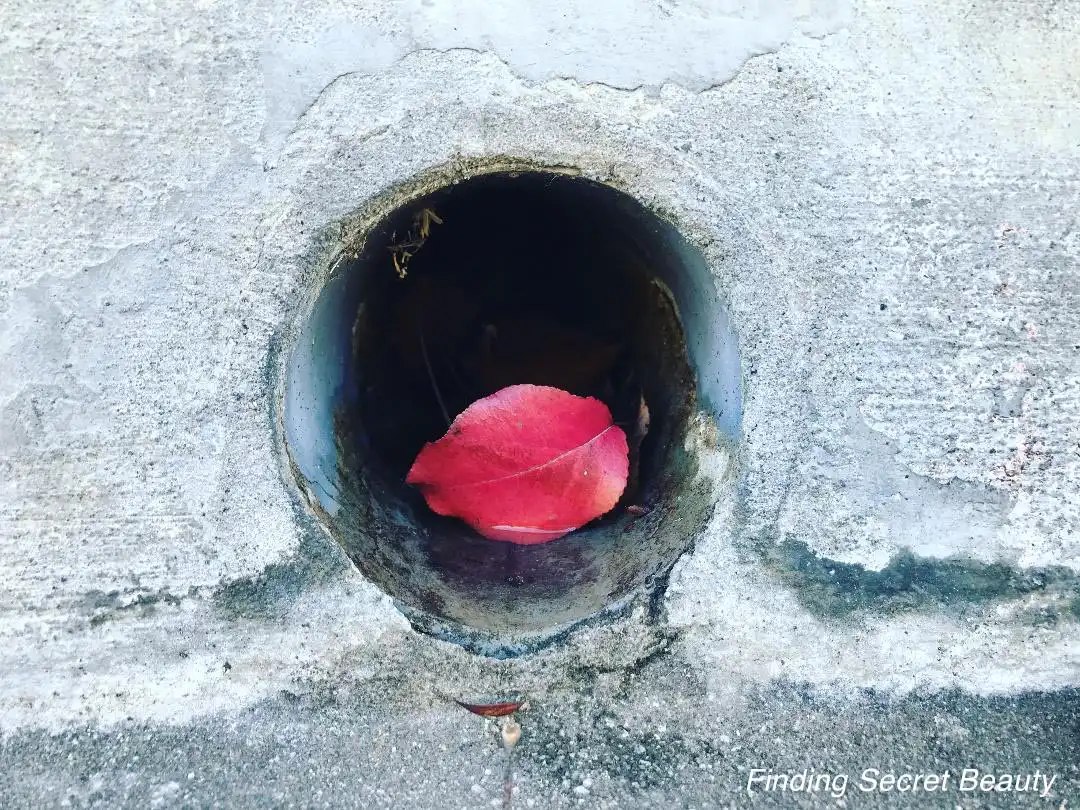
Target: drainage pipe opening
{"points": [[506, 278]]}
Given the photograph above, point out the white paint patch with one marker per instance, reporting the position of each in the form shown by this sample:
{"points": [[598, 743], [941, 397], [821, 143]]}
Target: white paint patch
{"points": [[641, 43], [624, 43]]}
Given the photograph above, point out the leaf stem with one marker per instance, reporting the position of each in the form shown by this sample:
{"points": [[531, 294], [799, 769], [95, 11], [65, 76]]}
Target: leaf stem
{"points": [[508, 781]]}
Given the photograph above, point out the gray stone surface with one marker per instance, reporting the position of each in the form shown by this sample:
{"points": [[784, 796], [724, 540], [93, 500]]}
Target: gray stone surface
{"points": [[889, 197]]}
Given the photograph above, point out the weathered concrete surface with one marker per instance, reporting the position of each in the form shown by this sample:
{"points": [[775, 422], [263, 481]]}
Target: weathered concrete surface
{"points": [[890, 200]]}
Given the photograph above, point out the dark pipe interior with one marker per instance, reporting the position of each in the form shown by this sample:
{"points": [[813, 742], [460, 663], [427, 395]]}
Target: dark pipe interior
{"points": [[533, 277], [515, 286]]}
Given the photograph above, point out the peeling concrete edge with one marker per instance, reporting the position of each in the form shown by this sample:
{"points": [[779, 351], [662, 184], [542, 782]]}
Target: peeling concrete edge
{"points": [[529, 83]]}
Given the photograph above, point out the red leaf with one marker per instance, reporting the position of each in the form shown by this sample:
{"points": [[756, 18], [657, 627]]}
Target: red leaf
{"points": [[491, 709], [527, 464]]}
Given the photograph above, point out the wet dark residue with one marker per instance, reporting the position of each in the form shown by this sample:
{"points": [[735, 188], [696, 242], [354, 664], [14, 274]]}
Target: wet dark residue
{"points": [[910, 583], [106, 606], [271, 593]]}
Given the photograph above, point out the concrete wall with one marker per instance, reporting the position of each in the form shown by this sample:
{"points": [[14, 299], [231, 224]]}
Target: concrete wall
{"points": [[888, 195]]}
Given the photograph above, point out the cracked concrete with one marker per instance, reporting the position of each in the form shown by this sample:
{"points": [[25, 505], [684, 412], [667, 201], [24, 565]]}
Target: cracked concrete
{"points": [[888, 198]]}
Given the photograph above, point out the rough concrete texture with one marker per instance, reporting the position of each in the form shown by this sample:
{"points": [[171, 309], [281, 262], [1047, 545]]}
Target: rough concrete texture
{"points": [[890, 200]]}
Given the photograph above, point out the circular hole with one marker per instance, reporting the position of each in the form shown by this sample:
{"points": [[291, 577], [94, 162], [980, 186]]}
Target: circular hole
{"points": [[505, 278]]}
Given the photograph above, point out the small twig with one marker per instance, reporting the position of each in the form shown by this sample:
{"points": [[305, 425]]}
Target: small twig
{"points": [[402, 252], [511, 733], [426, 217], [402, 246], [431, 376], [508, 781]]}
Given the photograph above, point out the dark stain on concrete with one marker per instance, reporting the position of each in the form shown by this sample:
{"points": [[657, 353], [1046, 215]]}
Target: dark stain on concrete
{"points": [[833, 589], [107, 606], [271, 594]]}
